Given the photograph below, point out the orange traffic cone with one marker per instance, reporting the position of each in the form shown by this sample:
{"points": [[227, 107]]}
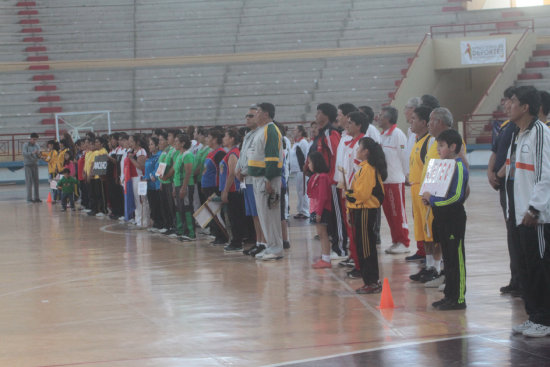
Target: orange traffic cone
{"points": [[49, 197], [386, 301]]}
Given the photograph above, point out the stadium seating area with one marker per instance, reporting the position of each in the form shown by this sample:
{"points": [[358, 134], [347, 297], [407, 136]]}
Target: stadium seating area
{"points": [[43, 32]]}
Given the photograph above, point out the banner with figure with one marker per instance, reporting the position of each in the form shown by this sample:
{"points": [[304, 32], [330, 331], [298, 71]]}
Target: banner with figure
{"points": [[489, 51]]}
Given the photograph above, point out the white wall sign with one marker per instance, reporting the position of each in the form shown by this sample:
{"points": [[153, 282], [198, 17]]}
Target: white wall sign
{"points": [[483, 51]]}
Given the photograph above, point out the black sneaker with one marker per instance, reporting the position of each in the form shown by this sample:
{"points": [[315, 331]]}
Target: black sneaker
{"points": [[452, 305], [430, 274], [436, 304], [348, 263], [257, 250], [233, 248], [247, 251], [508, 289], [169, 232], [415, 257], [354, 274], [416, 277], [286, 245], [218, 242], [92, 213]]}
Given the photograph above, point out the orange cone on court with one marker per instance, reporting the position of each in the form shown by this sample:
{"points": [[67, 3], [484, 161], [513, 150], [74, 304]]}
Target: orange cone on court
{"points": [[386, 301], [49, 197]]}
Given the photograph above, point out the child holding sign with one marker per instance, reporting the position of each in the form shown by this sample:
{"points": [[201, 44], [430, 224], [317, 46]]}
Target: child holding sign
{"points": [[449, 224]]}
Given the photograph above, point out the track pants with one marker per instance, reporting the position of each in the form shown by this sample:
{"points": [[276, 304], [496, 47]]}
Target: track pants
{"points": [[394, 210], [363, 221]]}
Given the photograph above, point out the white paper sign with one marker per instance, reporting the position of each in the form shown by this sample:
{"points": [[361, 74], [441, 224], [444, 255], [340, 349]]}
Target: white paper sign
{"points": [[438, 177], [160, 170], [53, 184], [487, 51], [142, 188], [203, 216]]}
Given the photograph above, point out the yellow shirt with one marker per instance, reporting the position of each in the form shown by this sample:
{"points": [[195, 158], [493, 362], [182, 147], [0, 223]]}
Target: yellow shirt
{"points": [[51, 158], [367, 187], [89, 161], [417, 159], [61, 160]]}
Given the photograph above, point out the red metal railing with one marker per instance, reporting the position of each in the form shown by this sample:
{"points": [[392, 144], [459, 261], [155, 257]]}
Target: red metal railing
{"points": [[477, 129], [499, 27]]}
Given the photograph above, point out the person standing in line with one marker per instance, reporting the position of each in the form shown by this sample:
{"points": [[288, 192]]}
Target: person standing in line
{"points": [[528, 166], [393, 142], [326, 143], [241, 172], [153, 184], [51, 156], [265, 161], [449, 224], [499, 149], [320, 193], [356, 127], [136, 163], [364, 196], [184, 187], [211, 178], [229, 187], [419, 128], [31, 155], [298, 156]]}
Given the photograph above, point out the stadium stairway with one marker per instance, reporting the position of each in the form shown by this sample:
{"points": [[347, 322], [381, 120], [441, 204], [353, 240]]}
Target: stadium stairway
{"points": [[535, 73], [36, 51]]}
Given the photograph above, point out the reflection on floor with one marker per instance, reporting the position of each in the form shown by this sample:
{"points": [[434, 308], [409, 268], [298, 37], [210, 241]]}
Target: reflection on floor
{"points": [[82, 291]]}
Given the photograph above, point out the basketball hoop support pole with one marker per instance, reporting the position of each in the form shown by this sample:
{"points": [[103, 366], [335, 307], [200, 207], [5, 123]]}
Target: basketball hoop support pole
{"points": [[108, 113]]}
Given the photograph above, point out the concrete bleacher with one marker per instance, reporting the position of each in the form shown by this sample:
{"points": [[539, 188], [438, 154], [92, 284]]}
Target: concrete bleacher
{"points": [[212, 94]]}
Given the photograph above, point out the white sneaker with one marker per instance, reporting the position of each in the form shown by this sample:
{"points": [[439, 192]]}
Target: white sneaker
{"points": [[100, 215], [537, 331], [389, 249], [398, 248], [335, 256], [121, 219], [173, 235], [442, 287], [519, 329], [269, 257], [260, 255], [87, 210], [163, 230], [436, 282]]}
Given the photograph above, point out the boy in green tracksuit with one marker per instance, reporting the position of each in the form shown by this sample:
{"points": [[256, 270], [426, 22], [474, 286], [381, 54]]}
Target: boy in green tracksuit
{"points": [[67, 185]]}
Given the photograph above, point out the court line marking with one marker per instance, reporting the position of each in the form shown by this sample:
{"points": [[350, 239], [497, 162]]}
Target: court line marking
{"points": [[384, 348]]}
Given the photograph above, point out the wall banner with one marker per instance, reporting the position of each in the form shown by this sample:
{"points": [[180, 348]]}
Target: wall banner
{"points": [[483, 51]]}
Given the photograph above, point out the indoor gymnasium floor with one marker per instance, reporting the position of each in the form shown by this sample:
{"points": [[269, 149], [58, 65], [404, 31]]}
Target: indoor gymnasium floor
{"points": [[82, 291]]}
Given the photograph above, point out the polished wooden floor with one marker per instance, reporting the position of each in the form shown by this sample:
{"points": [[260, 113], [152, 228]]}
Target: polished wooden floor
{"points": [[81, 291]]}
